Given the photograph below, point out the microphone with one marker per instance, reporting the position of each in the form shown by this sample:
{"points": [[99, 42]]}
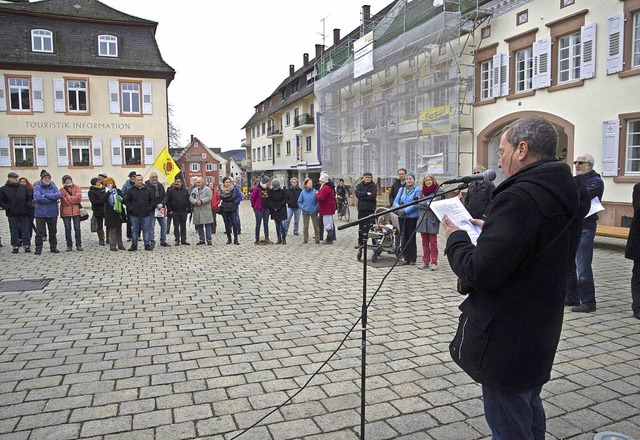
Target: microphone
{"points": [[488, 175]]}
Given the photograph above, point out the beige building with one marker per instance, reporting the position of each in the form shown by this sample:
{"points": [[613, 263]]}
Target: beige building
{"points": [[83, 90]]}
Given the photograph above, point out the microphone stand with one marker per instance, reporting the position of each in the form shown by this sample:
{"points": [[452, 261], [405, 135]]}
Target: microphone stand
{"points": [[370, 220]]}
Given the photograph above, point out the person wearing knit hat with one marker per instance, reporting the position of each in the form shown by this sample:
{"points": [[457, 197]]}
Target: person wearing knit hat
{"points": [[260, 205], [71, 197], [46, 196], [326, 206], [293, 210], [101, 177], [278, 209], [408, 217]]}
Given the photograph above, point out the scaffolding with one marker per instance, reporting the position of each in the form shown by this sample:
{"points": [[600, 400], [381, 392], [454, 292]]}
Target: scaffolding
{"points": [[398, 93]]}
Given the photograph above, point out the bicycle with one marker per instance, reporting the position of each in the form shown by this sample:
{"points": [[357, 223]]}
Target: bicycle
{"points": [[344, 213]]}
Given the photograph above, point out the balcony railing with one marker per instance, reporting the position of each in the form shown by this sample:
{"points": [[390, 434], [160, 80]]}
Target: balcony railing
{"points": [[274, 132], [303, 121]]}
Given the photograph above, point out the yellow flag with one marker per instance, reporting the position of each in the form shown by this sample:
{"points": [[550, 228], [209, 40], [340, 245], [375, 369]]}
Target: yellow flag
{"points": [[164, 162]]}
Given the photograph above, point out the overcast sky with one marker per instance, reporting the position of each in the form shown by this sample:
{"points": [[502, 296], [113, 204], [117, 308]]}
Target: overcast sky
{"points": [[229, 56]]}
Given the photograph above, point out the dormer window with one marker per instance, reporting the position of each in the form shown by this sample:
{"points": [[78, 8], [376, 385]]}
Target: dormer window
{"points": [[107, 46], [42, 41]]}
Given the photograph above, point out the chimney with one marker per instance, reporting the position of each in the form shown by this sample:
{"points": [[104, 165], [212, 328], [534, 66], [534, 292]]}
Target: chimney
{"points": [[319, 50], [336, 36], [291, 69], [305, 59], [192, 138], [366, 13]]}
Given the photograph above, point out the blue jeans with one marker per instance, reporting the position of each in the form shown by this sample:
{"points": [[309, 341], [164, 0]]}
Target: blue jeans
{"points": [[152, 227], [231, 223], [280, 231], [140, 223], [204, 231], [20, 224], [76, 229], [514, 415], [262, 217], [581, 287], [295, 213]]}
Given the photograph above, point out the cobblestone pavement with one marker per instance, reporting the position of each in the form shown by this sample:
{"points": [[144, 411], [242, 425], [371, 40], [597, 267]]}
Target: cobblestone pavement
{"points": [[202, 341]]}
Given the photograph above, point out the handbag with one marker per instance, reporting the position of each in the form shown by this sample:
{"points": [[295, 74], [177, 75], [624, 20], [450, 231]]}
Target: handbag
{"points": [[83, 214], [94, 223]]}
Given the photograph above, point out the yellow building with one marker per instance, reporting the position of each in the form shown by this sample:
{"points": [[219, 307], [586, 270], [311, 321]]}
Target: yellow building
{"points": [[83, 90]]}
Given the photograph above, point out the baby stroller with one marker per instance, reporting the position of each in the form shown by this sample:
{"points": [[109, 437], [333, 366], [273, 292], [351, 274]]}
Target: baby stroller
{"points": [[384, 235]]}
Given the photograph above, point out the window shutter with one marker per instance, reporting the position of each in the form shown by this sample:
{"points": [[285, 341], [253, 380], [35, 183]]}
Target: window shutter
{"points": [[149, 155], [114, 97], [96, 144], [504, 74], [147, 103], [615, 43], [495, 81], [3, 99], [41, 152], [116, 151], [588, 53], [62, 152], [542, 63], [58, 95], [38, 99], [610, 138], [5, 152]]}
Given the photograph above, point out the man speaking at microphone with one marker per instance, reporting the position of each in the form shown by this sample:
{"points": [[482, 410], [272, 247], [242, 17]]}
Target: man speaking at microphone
{"points": [[516, 278]]}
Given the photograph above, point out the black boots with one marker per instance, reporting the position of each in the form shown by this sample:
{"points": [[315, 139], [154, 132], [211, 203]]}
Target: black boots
{"points": [[235, 239], [229, 237]]}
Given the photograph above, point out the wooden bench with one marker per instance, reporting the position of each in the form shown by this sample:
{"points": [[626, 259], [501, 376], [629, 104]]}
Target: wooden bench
{"points": [[612, 231]]}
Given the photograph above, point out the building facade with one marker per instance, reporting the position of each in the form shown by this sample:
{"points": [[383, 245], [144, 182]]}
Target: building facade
{"points": [[83, 90], [197, 160]]}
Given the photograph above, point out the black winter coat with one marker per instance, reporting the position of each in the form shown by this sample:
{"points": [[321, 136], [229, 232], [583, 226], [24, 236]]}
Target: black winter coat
{"points": [[178, 199], [366, 203], [228, 200], [633, 241], [511, 321], [96, 198], [139, 201], [277, 204], [15, 200], [112, 219], [291, 195], [478, 198], [158, 194]]}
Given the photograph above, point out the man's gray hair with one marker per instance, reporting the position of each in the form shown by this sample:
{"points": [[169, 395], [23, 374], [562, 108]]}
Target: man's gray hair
{"points": [[589, 159], [539, 133]]}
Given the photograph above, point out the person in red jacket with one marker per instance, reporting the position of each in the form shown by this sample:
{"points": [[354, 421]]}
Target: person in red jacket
{"points": [[70, 211], [215, 204], [326, 206]]}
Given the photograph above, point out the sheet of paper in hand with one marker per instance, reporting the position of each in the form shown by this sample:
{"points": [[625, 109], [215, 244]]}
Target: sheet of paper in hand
{"points": [[458, 214]]}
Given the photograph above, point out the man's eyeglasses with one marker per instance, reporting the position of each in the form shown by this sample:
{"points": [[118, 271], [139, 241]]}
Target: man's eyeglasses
{"points": [[579, 162]]}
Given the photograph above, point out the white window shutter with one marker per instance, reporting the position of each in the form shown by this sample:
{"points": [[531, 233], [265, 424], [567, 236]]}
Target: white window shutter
{"points": [[96, 145], [62, 152], [3, 95], [588, 51], [542, 63], [41, 152], [610, 139], [114, 97], [147, 101], [59, 105], [615, 43], [495, 80], [38, 98], [504, 74], [5, 152], [149, 155], [116, 151]]}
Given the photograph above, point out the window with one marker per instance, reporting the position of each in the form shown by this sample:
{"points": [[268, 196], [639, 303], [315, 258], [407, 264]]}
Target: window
{"points": [[263, 128], [77, 95], [411, 154], [107, 46], [19, 94], [288, 148], [632, 146], [264, 152], [195, 167], [254, 156], [42, 41], [210, 179], [23, 152], [524, 70], [80, 152], [288, 118], [565, 3], [132, 151], [307, 145], [130, 93], [635, 44], [569, 58], [522, 17], [410, 103], [269, 149], [485, 79], [277, 150], [210, 167]]}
